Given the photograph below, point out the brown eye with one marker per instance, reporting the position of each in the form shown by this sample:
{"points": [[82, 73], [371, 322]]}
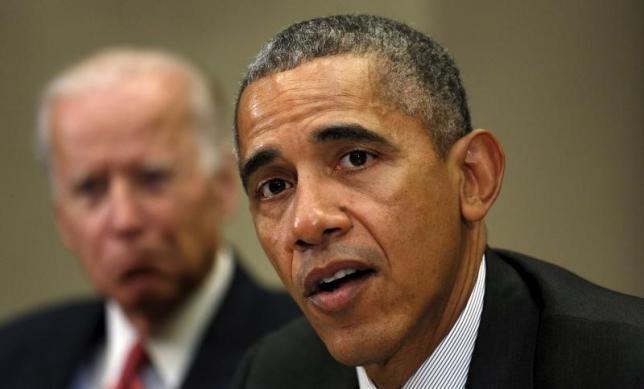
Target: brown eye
{"points": [[356, 159], [272, 188]]}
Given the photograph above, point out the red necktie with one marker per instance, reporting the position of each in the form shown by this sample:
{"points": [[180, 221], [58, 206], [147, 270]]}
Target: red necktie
{"points": [[130, 376]]}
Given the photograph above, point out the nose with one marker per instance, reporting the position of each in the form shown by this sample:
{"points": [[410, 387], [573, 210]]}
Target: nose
{"points": [[125, 213], [318, 215]]}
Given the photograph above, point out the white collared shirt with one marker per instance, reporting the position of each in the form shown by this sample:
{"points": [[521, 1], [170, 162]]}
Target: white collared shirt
{"points": [[172, 348], [449, 364]]}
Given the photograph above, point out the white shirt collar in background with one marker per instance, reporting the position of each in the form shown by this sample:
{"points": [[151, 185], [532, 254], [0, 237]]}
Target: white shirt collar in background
{"points": [[171, 350]]}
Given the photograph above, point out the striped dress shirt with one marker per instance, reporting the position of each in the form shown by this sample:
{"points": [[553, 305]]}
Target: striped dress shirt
{"points": [[448, 365]]}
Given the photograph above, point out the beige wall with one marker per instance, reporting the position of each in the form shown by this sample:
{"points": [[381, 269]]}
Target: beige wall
{"points": [[561, 85]]}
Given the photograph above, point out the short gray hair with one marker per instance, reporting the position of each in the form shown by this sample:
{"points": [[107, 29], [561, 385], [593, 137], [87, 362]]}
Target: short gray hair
{"points": [[417, 75], [115, 64]]}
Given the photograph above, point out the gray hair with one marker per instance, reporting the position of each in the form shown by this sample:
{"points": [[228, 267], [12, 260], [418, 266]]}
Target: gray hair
{"points": [[416, 74], [115, 64]]}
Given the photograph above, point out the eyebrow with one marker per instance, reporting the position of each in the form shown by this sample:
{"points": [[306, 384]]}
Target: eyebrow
{"points": [[350, 131], [256, 161]]}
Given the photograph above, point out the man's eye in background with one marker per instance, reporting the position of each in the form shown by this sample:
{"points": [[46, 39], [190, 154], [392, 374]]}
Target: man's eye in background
{"points": [[153, 178], [91, 187], [272, 188]]}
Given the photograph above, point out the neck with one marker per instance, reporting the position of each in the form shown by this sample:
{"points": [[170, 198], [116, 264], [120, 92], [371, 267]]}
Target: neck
{"points": [[145, 325], [150, 318], [394, 372]]}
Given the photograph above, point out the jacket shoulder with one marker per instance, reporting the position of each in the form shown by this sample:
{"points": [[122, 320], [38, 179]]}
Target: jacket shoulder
{"points": [[561, 292], [41, 348], [47, 323], [589, 336], [293, 357]]}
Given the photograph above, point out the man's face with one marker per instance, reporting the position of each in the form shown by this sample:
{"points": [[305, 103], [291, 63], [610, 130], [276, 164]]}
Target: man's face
{"points": [[355, 210], [130, 197]]}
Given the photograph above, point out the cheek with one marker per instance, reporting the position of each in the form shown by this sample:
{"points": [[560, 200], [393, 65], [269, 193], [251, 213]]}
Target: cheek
{"points": [[179, 212], [94, 253], [424, 198], [390, 207], [274, 243], [430, 242], [264, 229], [189, 226], [87, 238], [413, 224]]}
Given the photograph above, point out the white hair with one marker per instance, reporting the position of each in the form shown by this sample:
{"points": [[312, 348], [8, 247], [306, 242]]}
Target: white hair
{"points": [[111, 65]]}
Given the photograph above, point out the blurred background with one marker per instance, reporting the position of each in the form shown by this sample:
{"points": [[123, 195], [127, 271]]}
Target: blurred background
{"points": [[560, 82]]}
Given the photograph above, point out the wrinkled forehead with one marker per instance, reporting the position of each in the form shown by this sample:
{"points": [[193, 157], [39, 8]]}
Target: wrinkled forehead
{"points": [[312, 87], [148, 96], [144, 112]]}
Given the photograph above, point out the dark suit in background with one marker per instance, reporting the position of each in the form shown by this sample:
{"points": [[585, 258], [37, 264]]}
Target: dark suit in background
{"points": [[541, 326], [47, 349]]}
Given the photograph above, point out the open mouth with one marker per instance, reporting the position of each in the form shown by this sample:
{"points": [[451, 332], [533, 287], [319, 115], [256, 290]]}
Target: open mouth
{"points": [[341, 277], [335, 288]]}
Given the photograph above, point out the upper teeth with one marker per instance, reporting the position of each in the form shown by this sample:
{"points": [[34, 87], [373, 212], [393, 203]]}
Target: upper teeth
{"points": [[339, 274]]}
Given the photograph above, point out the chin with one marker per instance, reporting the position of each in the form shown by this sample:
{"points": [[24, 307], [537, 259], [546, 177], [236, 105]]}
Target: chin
{"points": [[358, 348], [151, 301]]}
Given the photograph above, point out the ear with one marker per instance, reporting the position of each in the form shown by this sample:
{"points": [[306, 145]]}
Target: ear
{"points": [[225, 186], [481, 160]]}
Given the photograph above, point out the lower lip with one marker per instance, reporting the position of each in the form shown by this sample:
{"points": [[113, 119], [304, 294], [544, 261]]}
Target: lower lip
{"points": [[141, 276], [341, 298]]}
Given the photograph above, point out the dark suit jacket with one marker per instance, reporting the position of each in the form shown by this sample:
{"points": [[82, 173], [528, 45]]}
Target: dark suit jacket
{"points": [[541, 327], [46, 349]]}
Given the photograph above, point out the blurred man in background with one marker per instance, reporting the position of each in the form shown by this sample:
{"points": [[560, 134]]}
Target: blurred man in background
{"points": [[141, 179], [369, 190]]}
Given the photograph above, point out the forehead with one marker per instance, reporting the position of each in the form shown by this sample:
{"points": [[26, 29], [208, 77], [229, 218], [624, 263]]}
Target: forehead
{"points": [[331, 86], [121, 124], [125, 99], [152, 102]]}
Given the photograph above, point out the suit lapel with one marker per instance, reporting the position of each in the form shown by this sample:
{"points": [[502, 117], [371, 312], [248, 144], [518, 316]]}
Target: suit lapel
{"points": [[73, 345], [246, 313], [216, 352], [505, 346]]}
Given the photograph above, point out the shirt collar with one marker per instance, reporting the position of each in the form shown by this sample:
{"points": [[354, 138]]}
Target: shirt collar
{"points": [[172, 348], [448, 365]]}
